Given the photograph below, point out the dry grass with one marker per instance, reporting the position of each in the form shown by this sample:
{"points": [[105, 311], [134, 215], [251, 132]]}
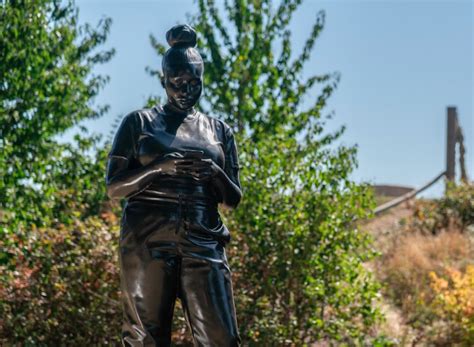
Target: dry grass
{"points": [[415, 239], [421, 253], [411, 257], [404, 269]]}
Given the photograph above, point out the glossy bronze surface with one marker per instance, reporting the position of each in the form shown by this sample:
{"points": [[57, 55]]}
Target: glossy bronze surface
{"points": [[174, 165]]}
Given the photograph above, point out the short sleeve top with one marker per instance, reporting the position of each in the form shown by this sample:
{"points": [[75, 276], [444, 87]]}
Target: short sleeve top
{"points": [[147, 134]]}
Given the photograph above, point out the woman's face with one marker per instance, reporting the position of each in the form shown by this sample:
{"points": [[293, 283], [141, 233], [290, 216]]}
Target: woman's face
{"points": [[183, 85]]}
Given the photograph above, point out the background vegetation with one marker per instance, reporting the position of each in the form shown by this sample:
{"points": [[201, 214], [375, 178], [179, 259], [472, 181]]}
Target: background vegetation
{"points": [[298, 255], [57, 249], [427, 270]]}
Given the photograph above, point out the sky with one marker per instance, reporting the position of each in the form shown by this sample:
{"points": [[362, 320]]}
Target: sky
{"points": [[401, 63]]}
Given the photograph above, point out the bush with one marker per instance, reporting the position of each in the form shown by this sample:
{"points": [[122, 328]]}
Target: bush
{"points": [[297, 256], [455, 210], [454, 304], [59, 285]]}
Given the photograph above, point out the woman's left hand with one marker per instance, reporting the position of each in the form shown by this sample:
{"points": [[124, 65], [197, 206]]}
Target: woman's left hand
{"points": [[198, 169]]}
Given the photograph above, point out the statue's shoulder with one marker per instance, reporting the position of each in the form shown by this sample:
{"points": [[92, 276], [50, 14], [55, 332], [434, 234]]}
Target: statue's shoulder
{"points": [[142, 115], [219, 124]]}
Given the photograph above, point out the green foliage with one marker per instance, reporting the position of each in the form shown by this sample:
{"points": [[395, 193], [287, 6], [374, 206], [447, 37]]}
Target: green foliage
{"points": [[61, 285], [455, 210], [297, 254], [58, 275], [46, 86]]}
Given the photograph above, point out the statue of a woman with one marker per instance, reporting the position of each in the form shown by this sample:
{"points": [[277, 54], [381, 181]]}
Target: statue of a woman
{"points": [[174, 165]]}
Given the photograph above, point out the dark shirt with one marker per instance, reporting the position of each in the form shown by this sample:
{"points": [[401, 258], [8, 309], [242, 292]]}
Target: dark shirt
{"points": [[147, 134]]}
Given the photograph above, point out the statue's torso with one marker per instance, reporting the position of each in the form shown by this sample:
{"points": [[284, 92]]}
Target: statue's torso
{"points": [[158, 133], [161, 134]]}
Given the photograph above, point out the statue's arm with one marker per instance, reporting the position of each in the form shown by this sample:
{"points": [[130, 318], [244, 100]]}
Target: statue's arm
{"points": [[122, 181], [227, 180]]}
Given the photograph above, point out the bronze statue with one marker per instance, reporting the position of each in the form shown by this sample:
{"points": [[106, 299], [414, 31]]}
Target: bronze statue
{"points": [[174, 165]]}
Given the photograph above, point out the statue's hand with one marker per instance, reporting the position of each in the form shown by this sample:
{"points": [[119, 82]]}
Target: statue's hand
{"points": [[198, 169], [170, 164]]}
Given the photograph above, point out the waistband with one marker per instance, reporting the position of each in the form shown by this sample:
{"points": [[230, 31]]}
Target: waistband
{"points": [[177, 191]]}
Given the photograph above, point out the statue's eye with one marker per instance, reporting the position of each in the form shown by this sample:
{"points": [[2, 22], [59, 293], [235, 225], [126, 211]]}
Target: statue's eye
{"points": [[194, 82], [176, 81]]}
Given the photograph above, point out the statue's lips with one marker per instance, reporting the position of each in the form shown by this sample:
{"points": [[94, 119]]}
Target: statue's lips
{"points": [[185, 101]]}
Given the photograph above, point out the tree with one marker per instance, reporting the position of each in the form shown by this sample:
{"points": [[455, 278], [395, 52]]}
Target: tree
{"points": [[58, 265], [47, 86], [297, 253]]}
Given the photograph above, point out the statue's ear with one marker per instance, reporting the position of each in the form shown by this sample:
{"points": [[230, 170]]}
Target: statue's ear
{"points": [[162, 79]]}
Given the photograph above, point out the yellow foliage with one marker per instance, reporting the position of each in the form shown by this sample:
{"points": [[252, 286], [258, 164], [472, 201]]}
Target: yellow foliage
{"points": [[454, 300]]}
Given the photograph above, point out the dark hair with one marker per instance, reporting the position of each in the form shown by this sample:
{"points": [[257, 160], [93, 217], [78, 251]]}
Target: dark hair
{"points": [[182, 39]]}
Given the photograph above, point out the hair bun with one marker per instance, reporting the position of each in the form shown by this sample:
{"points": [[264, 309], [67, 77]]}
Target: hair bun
{"points": [[181, 35]]}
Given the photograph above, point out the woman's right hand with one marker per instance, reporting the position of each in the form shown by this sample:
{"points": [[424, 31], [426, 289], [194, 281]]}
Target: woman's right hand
{"points": [[124, 183]]}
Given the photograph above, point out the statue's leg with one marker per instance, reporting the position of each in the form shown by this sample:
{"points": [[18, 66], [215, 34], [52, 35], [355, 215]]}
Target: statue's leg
{"points": [[206, 290], [149, 278]]}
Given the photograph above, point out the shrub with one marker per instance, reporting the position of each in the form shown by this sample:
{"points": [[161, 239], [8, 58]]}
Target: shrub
{"points": [[60, 285], [454, 303], [455, 210]]}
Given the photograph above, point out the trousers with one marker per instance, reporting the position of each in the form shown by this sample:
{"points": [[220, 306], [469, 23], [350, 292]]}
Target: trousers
{"points": [[172, 251]]}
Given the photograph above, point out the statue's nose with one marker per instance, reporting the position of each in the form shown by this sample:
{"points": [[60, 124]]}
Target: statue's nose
{"points": [[186, 88]]}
